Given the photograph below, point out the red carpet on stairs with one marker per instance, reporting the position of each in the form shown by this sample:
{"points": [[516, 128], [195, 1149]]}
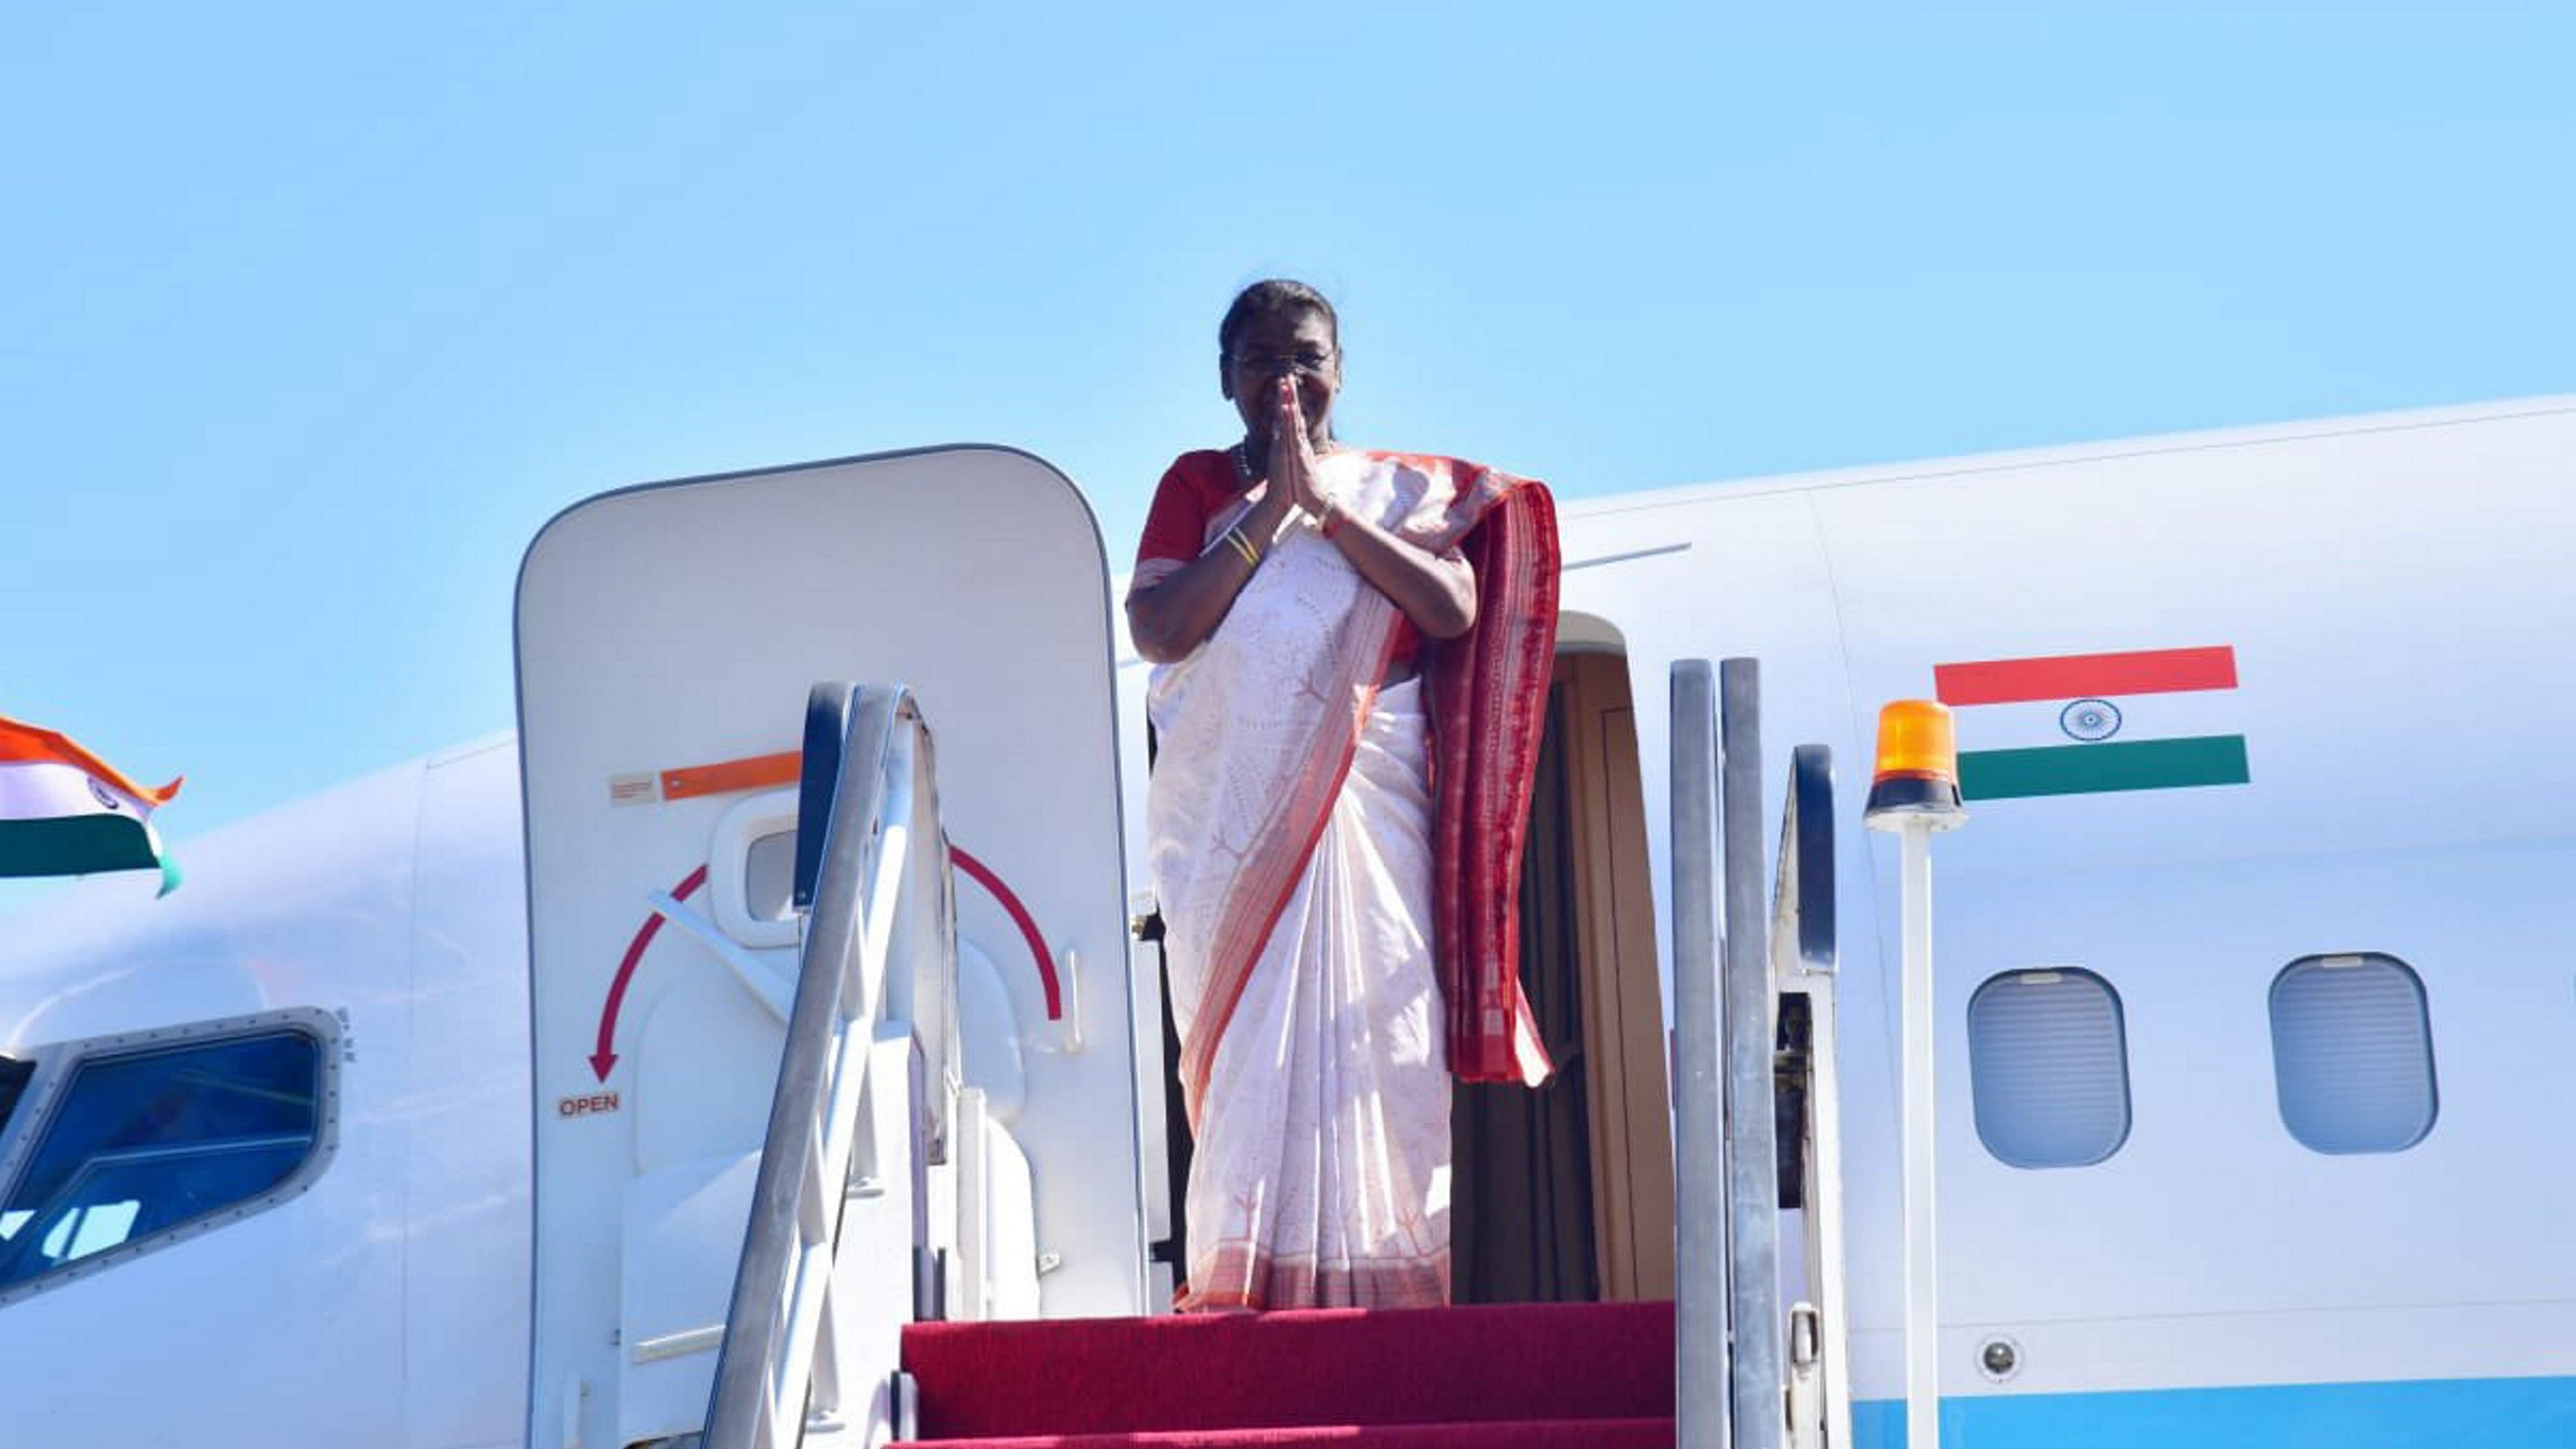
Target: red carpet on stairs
{"points": [[1532, 1376]]}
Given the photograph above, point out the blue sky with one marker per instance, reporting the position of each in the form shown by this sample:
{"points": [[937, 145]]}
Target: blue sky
{"points": [[311, 314]]}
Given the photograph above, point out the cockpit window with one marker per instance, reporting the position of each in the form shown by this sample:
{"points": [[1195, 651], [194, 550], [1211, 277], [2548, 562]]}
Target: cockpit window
{"points": [[13, 1085], [144, 1141]]}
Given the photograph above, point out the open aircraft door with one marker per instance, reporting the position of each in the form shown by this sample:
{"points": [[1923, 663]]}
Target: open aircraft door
{"points": [[667, 638]]}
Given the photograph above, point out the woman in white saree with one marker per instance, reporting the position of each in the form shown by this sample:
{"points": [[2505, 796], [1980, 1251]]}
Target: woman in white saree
{"points": [[1353, 650]]}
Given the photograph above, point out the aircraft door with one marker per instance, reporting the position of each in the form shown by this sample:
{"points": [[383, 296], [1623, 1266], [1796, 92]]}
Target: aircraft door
{"points": [[667, 638]]}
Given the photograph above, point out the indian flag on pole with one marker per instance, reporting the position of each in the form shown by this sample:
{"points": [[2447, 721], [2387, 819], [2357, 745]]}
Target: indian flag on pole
{"points": [[2074, 724], [65, 811]]}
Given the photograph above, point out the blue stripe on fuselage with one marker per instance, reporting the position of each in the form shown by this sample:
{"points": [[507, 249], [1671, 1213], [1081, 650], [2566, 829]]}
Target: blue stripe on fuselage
{"points": [[2421, 1414]]}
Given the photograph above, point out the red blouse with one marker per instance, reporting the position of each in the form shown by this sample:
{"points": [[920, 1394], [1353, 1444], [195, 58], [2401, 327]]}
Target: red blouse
{"points": [[1194, 490]]}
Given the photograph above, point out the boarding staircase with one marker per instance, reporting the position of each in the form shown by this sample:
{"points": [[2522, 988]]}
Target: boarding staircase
{"points": [[870, 1136]]}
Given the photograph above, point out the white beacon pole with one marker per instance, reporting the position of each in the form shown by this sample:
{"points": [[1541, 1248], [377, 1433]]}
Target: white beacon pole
{"points": [[1914, 795]]}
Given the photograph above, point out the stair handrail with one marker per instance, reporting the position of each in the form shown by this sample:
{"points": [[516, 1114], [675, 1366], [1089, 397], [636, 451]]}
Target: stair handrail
{"points": [[1805, 960], [1731, 959], [1757, 1312], [872, 889], [1802, 897], [1700, 1386]]}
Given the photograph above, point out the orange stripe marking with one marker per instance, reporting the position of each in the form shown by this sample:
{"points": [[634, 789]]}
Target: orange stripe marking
{"points": [[758, 772]]}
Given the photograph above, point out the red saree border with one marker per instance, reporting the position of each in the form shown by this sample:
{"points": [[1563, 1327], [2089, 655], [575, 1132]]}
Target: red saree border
{"points": [[1230, 971], [1250, 1279]]}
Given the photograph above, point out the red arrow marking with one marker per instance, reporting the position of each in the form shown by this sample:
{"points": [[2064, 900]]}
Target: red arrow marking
{"points": [[983, 875], [605, 1058], [782, 768]]}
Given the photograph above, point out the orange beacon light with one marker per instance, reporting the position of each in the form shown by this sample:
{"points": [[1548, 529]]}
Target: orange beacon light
{"points": [[1918, 766]]}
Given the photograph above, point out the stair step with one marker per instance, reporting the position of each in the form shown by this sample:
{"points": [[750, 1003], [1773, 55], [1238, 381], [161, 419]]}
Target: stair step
{"points": [[1444, 1367], [1524, 1434]]}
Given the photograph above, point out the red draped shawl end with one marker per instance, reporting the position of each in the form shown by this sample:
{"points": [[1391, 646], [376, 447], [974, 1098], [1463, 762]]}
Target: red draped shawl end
{"points": [[1489, 702]]}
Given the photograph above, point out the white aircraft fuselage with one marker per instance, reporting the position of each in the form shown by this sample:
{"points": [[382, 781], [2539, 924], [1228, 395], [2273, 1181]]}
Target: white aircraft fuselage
{"points": [[2252, 1004]]}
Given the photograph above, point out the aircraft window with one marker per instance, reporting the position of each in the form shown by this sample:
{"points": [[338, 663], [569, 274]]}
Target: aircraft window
{"points": [[769, 876], [2352, 1053], [13, 1085], [142, 1141], [2048, 1064]]}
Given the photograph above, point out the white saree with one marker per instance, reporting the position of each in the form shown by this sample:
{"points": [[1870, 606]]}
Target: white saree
{"points": [[1289, 841]]}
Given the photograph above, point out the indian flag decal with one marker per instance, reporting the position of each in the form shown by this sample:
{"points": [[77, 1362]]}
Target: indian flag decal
{"points": [[65, 811], [2076, 724]]}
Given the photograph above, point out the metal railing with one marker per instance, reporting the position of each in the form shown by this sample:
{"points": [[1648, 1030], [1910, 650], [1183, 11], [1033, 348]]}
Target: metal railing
{"points": [[875, 1004], [1804, 959], [1701, 1398], [1729, 974], [1802, 898], [1758, 1313]]}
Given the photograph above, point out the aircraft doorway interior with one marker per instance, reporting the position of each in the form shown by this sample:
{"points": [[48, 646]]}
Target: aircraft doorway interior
{"points": [[1564, 1194]]}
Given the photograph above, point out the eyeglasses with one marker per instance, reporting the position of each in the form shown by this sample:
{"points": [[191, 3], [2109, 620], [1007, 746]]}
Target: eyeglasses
{"points": [[1272, 364]]}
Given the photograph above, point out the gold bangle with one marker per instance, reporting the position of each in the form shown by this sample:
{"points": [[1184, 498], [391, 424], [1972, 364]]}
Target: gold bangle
{"points": [[1243, 545]]}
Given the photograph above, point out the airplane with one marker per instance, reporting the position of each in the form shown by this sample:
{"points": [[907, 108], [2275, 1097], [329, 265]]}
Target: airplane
{"points": [[432, 1113]]}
